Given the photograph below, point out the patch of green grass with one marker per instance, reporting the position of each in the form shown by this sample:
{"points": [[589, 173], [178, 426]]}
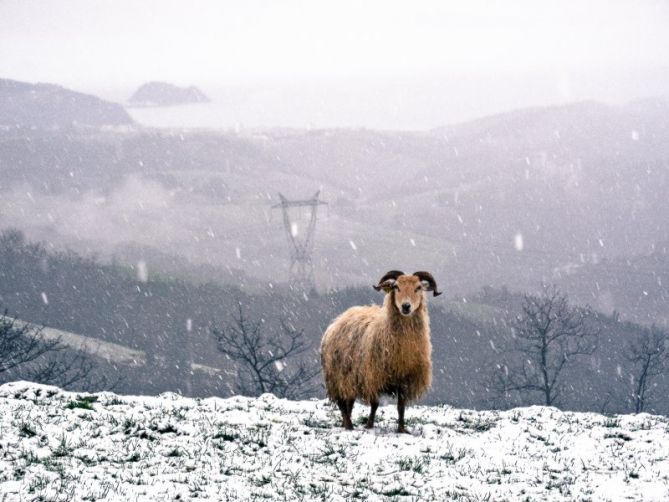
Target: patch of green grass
{"points": [[415, 464], [329, 454], [451, 456], [83, 402], [63, 449], [26, 430], [619, 435], [361, 420], [165, 429], [258, 435], [226, 435], [38, 483], [29, 457], [129, 425], [397, 492], [412, 421], [314, 423], [262, 480], [475, 424], [612, 423], [144, 434]]}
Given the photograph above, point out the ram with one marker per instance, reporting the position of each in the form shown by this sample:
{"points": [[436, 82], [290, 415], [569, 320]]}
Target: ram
{"points": [[374, 350]]}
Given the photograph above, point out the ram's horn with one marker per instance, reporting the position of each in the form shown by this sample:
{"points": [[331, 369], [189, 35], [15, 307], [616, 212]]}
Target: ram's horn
{"points": [[427, 277], [392, 275]]}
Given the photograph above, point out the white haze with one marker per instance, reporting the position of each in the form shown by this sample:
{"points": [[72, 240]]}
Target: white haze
{"points": [[373, 64]]}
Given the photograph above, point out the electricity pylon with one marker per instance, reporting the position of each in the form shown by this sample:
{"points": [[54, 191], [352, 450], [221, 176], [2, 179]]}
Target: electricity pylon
{"points": [[301, 274]]}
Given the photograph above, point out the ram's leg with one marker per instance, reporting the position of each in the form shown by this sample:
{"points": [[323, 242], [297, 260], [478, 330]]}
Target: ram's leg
{"points": [[372, 414], [346, 406], [348, 424], [401, 403], [341, 403]]}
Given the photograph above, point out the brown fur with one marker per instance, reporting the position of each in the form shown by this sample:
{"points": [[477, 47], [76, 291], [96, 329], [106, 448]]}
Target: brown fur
{"points": [[373, 350]]}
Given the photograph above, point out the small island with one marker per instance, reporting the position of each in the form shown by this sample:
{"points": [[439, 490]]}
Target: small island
{"points": [[164, 94]]}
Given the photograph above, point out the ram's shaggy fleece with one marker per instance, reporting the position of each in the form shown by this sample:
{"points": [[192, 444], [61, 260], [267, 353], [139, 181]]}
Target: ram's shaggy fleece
{"points": [[373, 350], [369, 351]]}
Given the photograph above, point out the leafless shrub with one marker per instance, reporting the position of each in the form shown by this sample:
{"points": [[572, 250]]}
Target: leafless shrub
{"points": [[277, 364]]}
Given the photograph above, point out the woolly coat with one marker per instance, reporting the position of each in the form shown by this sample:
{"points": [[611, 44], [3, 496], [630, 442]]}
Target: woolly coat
{"points": [[373, 350]]}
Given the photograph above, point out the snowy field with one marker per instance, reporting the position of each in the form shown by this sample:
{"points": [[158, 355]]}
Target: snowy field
{"points": [[56, 445]]}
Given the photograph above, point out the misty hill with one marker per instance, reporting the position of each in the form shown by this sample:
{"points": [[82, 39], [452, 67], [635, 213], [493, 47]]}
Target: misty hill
{"points": [[637, 282], [561, 125], [113, 447], [574, 184], [164, 94], [46, 106]]}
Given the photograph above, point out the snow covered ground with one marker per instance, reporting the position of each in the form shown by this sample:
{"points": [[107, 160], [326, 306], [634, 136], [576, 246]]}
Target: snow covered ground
{"points": [[56, 445]]}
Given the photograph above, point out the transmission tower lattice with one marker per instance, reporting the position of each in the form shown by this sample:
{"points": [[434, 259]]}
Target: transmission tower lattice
{"points": [[301, 273]]}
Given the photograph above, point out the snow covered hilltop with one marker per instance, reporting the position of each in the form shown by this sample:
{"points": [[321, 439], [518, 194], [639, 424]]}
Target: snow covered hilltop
{"points": [[110, 447]]}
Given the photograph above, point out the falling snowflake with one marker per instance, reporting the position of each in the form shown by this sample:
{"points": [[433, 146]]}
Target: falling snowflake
{"points": [[142, 271]]}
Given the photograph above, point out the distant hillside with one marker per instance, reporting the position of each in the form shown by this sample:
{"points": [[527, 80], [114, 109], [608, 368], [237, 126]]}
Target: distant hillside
{"points": [[577, 184], [164, 94], [49, 106], [583, 125], [638, 283]]}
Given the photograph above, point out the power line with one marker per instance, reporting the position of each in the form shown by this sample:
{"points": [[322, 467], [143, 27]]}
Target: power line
{"points": [[301, 265]]}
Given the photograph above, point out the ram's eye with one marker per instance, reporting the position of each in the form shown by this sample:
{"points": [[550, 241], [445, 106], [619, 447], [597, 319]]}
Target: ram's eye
{"points": [[418, 289], [396, 287]]}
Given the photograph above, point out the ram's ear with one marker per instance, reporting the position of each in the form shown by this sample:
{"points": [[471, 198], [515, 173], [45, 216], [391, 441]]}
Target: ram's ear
{"points": [[386, 285], [388, 280]]}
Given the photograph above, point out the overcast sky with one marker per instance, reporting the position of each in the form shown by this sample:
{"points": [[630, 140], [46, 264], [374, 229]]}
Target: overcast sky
{"points": [[575, 48]]}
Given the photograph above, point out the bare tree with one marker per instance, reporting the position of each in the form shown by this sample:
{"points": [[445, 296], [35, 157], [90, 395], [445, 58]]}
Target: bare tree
{"points": [[267, 363], [649, 355], [548, 336], [21, 343], [26, 353], [67, 368]]}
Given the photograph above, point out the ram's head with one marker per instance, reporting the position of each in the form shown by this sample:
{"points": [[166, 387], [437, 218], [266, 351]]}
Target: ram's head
{"points": [[407, 290]]}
